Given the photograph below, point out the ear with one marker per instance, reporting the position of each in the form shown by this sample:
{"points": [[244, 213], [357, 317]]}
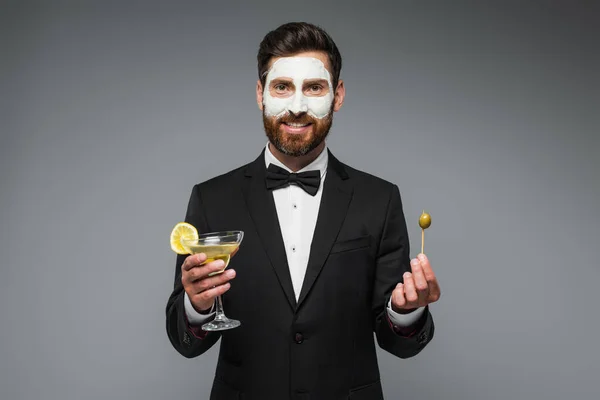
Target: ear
{"points": [[340, 93], [259, 94]]}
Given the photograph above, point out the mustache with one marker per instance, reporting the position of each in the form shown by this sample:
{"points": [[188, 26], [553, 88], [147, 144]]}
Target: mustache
{"points": [[303, 118]]}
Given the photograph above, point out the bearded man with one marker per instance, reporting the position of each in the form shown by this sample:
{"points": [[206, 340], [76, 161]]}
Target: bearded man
{"points": [[324, 272]]}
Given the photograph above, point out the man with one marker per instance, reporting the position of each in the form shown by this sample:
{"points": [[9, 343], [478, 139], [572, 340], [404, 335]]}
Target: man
{"points": [[324, 262]]}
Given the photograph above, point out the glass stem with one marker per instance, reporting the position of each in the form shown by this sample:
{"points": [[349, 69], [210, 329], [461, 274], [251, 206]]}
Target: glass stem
{"points": [[220, 314]]}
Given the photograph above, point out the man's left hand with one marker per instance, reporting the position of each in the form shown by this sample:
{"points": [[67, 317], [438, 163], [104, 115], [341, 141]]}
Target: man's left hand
{"points": [[419, 289]]}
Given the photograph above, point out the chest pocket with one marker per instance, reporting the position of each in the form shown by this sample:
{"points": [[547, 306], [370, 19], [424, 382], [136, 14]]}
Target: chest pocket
{"points": [[358, 243]]}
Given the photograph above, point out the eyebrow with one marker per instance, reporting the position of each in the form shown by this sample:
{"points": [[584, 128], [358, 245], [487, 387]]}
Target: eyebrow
{"points": [[282, 79], [312, 81], [308, 81]]}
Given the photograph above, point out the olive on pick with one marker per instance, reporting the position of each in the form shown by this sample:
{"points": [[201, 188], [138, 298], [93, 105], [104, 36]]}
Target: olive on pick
{"points": [[425, 220]]}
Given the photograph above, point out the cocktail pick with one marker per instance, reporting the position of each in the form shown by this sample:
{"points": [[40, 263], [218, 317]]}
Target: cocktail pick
{"points": [[424, 223]]}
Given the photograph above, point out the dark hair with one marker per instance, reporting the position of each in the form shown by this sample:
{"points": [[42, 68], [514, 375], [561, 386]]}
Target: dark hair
{"points": [[296, 37]]}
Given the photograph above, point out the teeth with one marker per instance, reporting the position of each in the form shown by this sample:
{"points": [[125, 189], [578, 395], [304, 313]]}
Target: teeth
{"points": [[296, 125]]}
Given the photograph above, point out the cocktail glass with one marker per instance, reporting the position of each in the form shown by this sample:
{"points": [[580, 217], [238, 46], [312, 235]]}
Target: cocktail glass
{"points": [[217, 246]]}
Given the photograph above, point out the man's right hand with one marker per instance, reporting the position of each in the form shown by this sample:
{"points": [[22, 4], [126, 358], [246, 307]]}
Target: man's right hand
{"points": [[200, 288]]}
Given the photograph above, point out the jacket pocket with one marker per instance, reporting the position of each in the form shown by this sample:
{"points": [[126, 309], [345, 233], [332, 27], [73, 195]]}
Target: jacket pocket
{"points": [[371, 391], [351, 244]]}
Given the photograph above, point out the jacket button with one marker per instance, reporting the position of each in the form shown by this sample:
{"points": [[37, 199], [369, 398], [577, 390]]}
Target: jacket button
{"points": [[299, 338]]}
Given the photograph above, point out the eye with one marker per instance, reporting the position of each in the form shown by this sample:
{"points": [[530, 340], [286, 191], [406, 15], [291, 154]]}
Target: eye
{"points": [[280, 87], [315, 89]]}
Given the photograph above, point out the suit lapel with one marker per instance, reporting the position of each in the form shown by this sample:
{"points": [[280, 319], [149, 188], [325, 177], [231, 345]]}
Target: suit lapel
{"points": [[337, 193], [261, 206]]}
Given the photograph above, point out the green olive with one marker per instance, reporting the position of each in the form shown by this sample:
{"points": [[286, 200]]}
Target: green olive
{"points": [[425, 220]]}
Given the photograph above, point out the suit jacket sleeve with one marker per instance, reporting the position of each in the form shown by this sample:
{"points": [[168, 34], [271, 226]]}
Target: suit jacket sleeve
{"points": [[393, 259], [189, 341]]}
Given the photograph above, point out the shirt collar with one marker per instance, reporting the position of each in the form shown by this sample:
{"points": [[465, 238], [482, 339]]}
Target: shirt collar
{"points": [[320, 163]]}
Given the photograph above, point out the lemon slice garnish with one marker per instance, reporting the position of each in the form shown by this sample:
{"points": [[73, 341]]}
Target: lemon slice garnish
{"points": [[182, 231]]}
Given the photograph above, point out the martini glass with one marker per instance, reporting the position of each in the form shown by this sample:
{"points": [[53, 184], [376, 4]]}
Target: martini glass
{"points": [[217, 246]]}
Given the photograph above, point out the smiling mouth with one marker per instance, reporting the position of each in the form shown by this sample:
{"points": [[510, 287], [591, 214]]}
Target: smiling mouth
{"points": [[295, 125]]}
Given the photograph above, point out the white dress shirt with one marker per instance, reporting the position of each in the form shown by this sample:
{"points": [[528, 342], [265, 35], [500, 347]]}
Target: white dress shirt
{"points": [[297, 212]]}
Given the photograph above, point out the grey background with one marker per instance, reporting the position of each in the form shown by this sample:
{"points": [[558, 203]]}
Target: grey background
{"points": [[485, 114]]}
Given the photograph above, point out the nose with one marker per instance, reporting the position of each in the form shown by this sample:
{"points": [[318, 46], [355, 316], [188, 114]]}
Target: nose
{"points": [[298, 104], [296, 115]]}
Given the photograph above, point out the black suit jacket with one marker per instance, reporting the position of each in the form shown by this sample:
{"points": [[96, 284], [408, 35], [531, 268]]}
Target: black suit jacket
{"points": [[322, 346]]}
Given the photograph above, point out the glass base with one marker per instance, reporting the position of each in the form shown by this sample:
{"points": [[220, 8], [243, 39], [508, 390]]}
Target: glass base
{"points": [[221, 324]]}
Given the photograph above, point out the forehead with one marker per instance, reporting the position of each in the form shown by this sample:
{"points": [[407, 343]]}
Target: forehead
{"points": [[298, 68], [313, 61]]}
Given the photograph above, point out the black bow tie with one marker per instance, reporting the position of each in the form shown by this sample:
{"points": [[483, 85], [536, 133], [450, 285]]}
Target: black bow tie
{"points": [[278, 177]]}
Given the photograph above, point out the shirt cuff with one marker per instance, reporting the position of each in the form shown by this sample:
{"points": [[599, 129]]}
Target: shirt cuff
{"points": [[404, 320], [193, 316]]}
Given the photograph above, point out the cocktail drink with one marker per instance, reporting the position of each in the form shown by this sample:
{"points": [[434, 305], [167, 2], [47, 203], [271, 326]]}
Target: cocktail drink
{"points": [[213, 252], [216, 246]]}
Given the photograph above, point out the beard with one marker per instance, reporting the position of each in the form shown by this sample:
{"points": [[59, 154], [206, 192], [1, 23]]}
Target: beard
{"points": [[297, 144]]}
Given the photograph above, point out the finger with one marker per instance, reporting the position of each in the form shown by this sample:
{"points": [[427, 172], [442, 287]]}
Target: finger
{"points": [[434, 291], [208, 283], [434, 287], [398, 298], [426, 266], [420, 282], [217, 267], [211, 293], [202, 271], [410, 292], [192, 261]]}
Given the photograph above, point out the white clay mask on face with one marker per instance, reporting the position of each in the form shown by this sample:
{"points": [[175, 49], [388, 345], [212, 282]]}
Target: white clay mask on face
{"points": [[298, 69]]}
